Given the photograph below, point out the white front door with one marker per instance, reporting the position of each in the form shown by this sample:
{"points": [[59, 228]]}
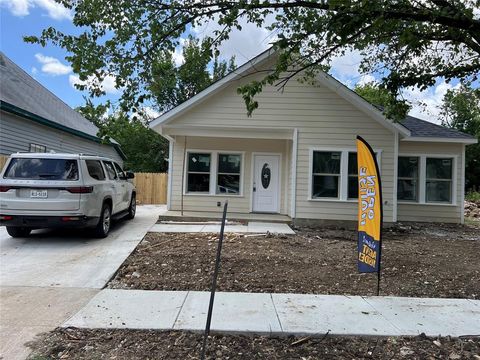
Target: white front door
{"points": [[266, 183]]}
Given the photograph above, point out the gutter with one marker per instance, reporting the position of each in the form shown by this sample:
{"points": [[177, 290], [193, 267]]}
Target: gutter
{"points": [[12, 109]]}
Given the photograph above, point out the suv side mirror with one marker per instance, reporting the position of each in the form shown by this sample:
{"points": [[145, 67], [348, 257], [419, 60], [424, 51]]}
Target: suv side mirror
{"points": [[130, 175]]}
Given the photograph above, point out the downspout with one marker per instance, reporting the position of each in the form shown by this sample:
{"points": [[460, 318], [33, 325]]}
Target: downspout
{"points": [[293, 204], [170, 167], [395, 178], [183, 174], [462, 194]]}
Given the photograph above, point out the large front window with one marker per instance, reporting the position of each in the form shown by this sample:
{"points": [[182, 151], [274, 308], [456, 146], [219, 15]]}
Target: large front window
{"points": [[334, 175], [326, 174], [198, 177], [425, 179]]}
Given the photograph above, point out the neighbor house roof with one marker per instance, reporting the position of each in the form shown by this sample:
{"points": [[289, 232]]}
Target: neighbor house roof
{"points": [[424, 129], [22, 95]]}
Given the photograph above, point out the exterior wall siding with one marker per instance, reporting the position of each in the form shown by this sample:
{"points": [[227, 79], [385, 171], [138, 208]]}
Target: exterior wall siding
{"points": [[323, 119], [17, 133], [434, 212], [241, 203]]}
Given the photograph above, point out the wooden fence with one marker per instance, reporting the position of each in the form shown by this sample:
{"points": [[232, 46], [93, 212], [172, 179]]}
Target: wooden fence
{"points": [[3, 160], [151, 188]]}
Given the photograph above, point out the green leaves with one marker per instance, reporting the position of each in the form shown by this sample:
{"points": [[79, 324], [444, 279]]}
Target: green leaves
{"points": [[146, 150], [407, 42], [392, 107], [460, 110], [170, 85]]}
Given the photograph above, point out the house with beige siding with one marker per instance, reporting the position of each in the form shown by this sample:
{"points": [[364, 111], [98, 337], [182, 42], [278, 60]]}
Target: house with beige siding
{"points": [[296, 154]]}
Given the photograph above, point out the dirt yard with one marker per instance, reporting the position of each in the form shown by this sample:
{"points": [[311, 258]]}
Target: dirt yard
{"points": [[143, 344], [428, 260]]}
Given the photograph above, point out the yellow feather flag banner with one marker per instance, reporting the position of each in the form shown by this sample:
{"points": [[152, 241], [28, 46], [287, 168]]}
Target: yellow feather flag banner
{"points": [[370, 212]]}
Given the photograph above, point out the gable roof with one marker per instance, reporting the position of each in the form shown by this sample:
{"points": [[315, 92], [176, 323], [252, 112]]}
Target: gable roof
{"points": [[22, 95], [412, 128], [424, 129], [251, 67]]}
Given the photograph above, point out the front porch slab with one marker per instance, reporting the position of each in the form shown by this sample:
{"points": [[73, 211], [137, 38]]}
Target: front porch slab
{"points": [[252, 227], [193, 216]]}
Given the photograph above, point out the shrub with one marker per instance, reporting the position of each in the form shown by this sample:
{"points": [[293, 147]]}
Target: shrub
{"points": [[473, 196]]}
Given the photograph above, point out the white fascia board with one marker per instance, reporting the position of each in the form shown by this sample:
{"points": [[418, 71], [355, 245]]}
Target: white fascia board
{"points": [[212, 89], [360, 103], [441, 139]]}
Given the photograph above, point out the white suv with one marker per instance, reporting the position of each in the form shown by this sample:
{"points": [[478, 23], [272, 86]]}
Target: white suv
{"points": [[49, 190]]}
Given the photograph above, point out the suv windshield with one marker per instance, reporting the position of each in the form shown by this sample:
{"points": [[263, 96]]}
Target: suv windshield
{"points": [[42, 169]]}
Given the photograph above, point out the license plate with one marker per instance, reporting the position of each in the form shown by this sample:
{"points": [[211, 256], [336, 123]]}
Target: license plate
{"points": [[39, 193]]}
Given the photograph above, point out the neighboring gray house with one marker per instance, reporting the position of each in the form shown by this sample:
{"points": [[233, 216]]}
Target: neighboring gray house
{"points": [[32, 119]]}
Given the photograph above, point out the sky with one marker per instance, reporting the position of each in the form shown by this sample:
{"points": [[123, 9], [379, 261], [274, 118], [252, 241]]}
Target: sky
{"points": [[48, 65]]}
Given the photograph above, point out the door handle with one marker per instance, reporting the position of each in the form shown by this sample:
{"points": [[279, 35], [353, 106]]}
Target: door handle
{"points": [[254, 188]]}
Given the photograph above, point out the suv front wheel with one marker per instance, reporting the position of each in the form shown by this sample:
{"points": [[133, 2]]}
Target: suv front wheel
{"points": [[18, 231], [103, 227]]}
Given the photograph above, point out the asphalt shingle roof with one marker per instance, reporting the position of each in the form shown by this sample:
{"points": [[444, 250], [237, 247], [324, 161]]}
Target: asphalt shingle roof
{"points": [[21, 90], [422, 128]]}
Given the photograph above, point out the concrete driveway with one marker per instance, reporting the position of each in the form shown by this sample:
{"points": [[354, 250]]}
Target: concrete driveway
{"points": [[47, 277]]}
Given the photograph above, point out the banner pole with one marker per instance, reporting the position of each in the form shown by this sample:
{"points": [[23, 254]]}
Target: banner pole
{"points": [[381, 232], [214, 282], [378, 273]]}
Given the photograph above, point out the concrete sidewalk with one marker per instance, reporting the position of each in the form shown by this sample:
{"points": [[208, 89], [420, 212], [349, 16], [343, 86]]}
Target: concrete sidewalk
{"points": [[252, 227], [280, 314]]}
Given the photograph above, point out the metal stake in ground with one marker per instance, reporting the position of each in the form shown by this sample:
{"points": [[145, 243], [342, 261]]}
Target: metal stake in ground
{"points": [[214, 282]]}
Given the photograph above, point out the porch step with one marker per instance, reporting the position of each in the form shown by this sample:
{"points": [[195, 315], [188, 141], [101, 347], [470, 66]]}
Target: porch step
{"points": [[196, 217]]}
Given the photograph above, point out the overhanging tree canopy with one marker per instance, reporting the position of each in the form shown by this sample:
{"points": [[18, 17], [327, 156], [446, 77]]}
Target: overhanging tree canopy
{"points": [[407, 42]]}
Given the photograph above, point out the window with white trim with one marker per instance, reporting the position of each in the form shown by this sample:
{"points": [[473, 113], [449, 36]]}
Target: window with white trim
{"points": [[426, 179], [198, 173], [228, 174], [326, 174], [438, 186], [407, 183], [334, 174]]}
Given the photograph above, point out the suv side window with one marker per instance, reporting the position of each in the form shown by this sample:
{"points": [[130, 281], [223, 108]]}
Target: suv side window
{"points": [[112, 174], [95, 169], [120, 172]]}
